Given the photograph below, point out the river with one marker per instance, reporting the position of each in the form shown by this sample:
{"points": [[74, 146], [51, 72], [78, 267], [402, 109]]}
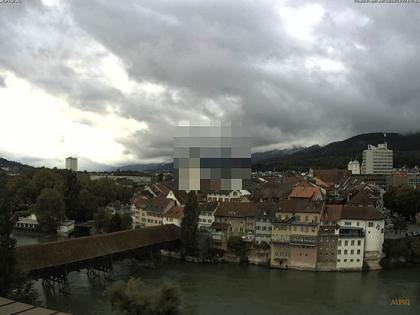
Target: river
{"points": [[241, 289]]}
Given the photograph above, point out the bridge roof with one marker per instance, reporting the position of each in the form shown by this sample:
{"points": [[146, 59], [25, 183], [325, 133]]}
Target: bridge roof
{"points": [[40, 256]]}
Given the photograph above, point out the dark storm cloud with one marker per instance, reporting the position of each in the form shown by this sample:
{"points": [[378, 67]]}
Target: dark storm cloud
{"points": [[354, 70]]}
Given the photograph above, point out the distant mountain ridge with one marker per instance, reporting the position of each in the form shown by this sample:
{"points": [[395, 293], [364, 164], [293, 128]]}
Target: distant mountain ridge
{"points": [[144, 167], [11, 164], [337, 154], [333, 155]]}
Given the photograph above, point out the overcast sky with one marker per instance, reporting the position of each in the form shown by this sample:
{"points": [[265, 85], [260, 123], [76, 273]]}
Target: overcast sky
{"points": [[107, 80]]}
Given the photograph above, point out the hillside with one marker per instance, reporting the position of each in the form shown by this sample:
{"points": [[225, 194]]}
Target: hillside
{"points": [[338, 154], [12, 165], [145, 167]]}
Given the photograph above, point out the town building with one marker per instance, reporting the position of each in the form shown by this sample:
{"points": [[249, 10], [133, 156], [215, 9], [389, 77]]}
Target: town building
{"points": [[327, 247], [135, 179], [229, 196], [179, 196], [220, 233], [294, 234], [174, 216], [308, 191], [29, 222], [354, 167], [65, 228], [361, 236], [377, 160], [149, 212], [263, 218], [71, 164], [272, 191], [240, 216], [206, 212], [356, 192]]}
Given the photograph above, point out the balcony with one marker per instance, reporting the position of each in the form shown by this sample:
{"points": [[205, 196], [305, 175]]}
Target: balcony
{"points": [[303, 240], [351, 232]]}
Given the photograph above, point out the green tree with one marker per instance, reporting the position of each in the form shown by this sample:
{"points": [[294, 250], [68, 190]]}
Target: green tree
{"points": [[71, 191], [115, 224], [7, 244], [237, 246], [50, 209], [13, 283], [87, 205], [404, 200], [189, 225], [135, 298], [399, 225], [126, 221]]}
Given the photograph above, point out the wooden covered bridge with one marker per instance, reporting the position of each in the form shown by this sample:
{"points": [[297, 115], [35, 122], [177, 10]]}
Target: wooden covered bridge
{"points": [[54, 260]]}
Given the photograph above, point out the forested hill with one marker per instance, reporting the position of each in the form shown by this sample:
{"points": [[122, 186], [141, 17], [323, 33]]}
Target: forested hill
{"points": [[10, 164], [338, 154]]}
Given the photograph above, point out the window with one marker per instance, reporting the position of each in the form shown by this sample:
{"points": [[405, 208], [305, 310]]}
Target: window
{"points": [[352, 243], [358, 251], [357, 259], [339, 252], [351, 260], [339, 243], [359, 242], [352, 252], [306, 218], [345, 252], [345, 260], [347, 223], [346, 243], [338, 260], [370, 224]]}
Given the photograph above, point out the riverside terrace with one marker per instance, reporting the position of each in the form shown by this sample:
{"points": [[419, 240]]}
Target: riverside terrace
{"points": [[52, 261]]}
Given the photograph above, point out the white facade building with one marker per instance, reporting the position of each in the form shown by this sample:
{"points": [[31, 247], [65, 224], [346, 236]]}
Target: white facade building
{"points": [[351, 242], [65, 228], [263, 222], [354, 167], [174, 216], [229, 196], [206, 214], [370, 226], [71, 164], [377, 160], [27, 223]]}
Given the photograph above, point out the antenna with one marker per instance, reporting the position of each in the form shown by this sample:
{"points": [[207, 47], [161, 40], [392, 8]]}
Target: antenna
{"points": [[385, 138]]}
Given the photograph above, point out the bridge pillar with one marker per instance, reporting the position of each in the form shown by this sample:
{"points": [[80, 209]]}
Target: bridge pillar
{"points": [[57, 276], [96, 267]]}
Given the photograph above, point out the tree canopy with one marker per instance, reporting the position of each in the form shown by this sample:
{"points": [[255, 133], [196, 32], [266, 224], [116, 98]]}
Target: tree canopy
{"points": [[403, 199], [134, 297], [189, 225]]}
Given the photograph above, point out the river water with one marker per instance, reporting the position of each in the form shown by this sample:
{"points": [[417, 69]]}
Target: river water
{"points": [[241, 289]]}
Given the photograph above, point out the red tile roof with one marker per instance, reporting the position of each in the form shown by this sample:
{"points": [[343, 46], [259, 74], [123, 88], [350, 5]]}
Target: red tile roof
{"points": [[333, 213], [175, 212], [236, 209], [304, 190]]}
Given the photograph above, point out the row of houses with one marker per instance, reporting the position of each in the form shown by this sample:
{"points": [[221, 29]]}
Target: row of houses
{"points": [[306, 234]]}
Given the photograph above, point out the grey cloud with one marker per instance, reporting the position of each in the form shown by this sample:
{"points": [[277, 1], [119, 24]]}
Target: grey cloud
{"points": [[231, 59], [2, 82]]}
